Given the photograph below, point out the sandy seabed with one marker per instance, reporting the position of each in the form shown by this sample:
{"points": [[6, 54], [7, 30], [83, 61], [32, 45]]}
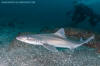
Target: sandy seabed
{"points": [[39, 56]]}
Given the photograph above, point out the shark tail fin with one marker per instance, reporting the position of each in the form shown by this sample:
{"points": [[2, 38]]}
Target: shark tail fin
{"points": [[86, 41]]}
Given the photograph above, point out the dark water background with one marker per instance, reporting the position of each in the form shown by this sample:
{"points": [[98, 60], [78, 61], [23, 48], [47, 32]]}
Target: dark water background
{"points": [[44, 13], [15, 18]]}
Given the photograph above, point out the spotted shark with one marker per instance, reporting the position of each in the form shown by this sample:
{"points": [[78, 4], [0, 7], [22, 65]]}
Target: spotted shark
{"points": [[53, 40]]}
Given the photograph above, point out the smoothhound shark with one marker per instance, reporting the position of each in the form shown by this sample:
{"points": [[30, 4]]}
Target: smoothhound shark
{"points": [[53, 40]]}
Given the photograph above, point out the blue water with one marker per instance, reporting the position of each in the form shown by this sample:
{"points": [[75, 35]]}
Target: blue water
{"points": [[15, 18]]}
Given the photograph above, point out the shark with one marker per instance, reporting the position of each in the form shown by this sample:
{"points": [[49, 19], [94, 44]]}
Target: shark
{"points": [[53, 40]]}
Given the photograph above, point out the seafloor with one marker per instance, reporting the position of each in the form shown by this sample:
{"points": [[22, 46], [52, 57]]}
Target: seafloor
{"points": [[12, 54]]}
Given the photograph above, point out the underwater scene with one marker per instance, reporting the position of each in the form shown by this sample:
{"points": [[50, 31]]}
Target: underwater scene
{"points": [[49, 33]]}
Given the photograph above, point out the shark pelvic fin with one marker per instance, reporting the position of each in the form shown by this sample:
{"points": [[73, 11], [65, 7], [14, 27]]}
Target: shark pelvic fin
{"points": [[50, 47], [60, 33]]}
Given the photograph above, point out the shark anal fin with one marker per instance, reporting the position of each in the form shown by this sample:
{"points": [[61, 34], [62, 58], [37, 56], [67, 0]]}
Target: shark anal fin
{"points": [[50, 47]]}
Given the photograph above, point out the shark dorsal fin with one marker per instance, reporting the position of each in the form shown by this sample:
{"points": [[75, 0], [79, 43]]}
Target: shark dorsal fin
{"points": [[60, 33]]}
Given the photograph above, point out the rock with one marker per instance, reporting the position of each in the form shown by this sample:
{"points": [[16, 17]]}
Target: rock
{"points": [[72, 32], [98, 50]]}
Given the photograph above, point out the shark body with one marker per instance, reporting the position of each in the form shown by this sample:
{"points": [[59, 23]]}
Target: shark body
{"points": [[53, 40]]}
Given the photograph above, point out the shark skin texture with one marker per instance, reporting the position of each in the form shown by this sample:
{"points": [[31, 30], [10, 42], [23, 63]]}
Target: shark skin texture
{"points": [[53, 40]]}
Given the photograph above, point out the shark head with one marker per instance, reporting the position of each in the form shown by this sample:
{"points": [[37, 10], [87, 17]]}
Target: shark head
{"points": [[22, 38], [27, 39]]}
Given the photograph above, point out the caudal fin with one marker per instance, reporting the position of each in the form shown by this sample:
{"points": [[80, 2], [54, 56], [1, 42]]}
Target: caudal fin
{"points": [[86, 41]]}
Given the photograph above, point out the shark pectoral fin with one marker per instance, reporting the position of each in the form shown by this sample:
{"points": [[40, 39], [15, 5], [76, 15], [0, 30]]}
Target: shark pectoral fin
{"points": [[50, 47]]}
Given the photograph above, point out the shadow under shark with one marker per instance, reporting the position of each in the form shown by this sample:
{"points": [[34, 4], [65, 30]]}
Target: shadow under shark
{"points": [[53, 40]]}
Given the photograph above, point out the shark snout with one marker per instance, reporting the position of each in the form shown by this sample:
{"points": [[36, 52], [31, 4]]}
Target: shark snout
{"points": [[20, 38]]}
